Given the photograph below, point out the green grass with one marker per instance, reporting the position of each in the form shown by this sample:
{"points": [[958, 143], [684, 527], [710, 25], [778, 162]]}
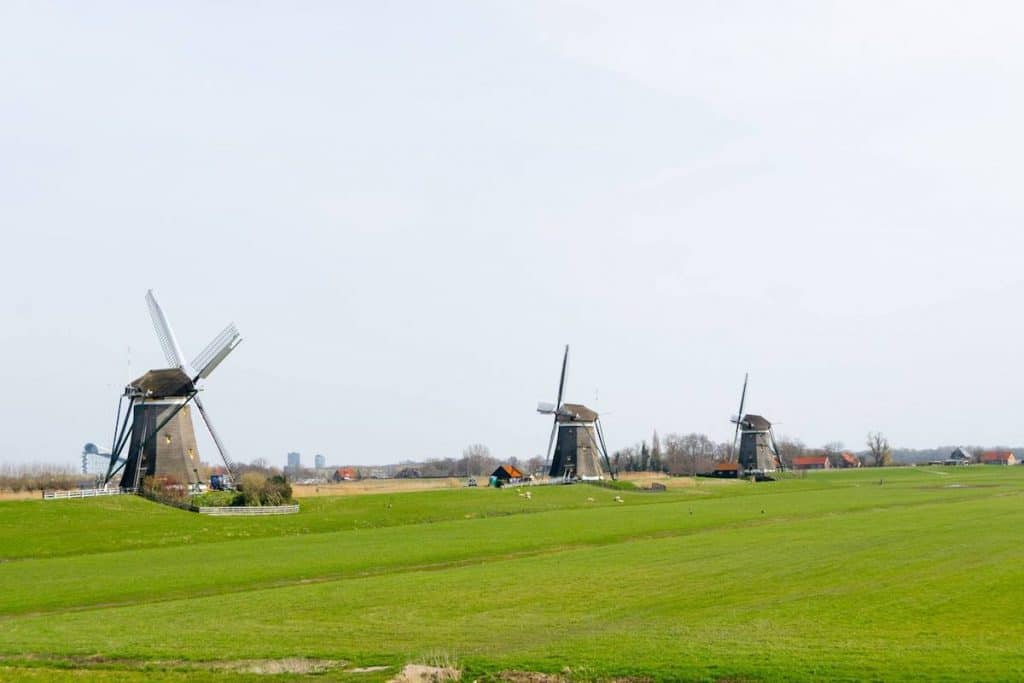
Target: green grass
{"points": [[906, 574]]}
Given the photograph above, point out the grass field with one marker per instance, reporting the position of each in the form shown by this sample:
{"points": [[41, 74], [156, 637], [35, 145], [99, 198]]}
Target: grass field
{"points": [[902, 574]]}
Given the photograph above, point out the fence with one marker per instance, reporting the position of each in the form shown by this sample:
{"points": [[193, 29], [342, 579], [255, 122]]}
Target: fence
{"points": [[84, 493], [249, 511]]}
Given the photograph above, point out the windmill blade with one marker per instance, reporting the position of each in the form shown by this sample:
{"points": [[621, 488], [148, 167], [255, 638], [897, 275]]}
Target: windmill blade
{"points": [[604, 448], [228, 462], [168, 342], [739, 416], [775, 447], [561, 381], [216, 351], [545, 408], [551, 442]]}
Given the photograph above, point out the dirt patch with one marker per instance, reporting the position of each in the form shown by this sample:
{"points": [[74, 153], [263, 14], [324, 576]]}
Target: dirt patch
{"points": [[530, 677], [538, 677], [288, 665], [365, 486], [420, 673]]}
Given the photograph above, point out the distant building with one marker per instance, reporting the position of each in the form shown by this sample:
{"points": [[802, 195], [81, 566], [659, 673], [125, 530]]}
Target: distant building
{"points": [[319, 461], [848, 460], [959, 457], [295, 460], [726, 470], [344, 474], [811, 462], [998, 458], [408, 473]]}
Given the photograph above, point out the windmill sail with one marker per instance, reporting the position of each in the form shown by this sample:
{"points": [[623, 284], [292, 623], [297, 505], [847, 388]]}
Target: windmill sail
{"points": [[168, 342], [216, 351]]}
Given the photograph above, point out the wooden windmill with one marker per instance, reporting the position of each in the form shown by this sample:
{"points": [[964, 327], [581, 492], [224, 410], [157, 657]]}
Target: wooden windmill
{"points": [[580, 451], [758, 452], [157, 426]]}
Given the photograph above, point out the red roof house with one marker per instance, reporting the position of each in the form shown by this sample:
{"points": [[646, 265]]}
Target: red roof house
{"points": [[811, 462], [344, 474], [997, 458]]}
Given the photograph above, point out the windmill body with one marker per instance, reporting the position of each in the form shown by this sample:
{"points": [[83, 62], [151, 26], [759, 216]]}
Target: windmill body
{"points": [[163, 440], [157, 427], [576, 436], [757, 452]]}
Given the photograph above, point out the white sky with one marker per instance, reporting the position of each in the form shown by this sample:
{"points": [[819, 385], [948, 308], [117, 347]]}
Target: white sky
{"points": [[408, 208]]}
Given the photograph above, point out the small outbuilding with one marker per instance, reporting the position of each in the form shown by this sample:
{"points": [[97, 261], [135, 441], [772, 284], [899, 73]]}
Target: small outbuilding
{"points": [[506, 474], [811, 462]]}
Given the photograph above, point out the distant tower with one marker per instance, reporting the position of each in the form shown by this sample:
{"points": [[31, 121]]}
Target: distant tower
{"points": [[294, 461], [319, 461]]}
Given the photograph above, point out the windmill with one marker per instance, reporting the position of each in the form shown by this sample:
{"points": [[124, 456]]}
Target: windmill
{"points": [[758, 451], [158, 418], [580, 446]]}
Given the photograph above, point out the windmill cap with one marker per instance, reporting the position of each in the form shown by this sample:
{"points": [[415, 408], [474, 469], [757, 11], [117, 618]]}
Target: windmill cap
{"points": [[163, 383], [756, 422], [580, 412]]}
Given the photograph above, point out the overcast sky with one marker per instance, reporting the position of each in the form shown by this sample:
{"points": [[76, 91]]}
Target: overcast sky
{"points": [[409, 208]]}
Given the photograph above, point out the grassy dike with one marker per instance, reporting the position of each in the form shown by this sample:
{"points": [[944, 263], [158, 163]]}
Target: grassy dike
{"points": [[905, 574]]}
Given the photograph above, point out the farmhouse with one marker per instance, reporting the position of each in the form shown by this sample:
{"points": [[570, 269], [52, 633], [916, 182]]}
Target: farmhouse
{"points": [[506, 474], [998, 458], [811, 462]]}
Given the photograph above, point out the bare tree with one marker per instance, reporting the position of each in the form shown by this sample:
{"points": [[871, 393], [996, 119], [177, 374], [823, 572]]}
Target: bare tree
{"points": [[689, 453], [831, 450], [534, 465], [475, 458], [881, 452], [790, 448]]}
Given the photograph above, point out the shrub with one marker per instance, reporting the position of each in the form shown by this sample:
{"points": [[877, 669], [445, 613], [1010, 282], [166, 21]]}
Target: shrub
{"points": [[258, 490], [277, 491], [218, 499]]}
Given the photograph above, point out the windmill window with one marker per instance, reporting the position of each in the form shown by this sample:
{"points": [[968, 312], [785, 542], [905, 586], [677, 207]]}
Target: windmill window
{"points": [[191, 454], [167, 438]]}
